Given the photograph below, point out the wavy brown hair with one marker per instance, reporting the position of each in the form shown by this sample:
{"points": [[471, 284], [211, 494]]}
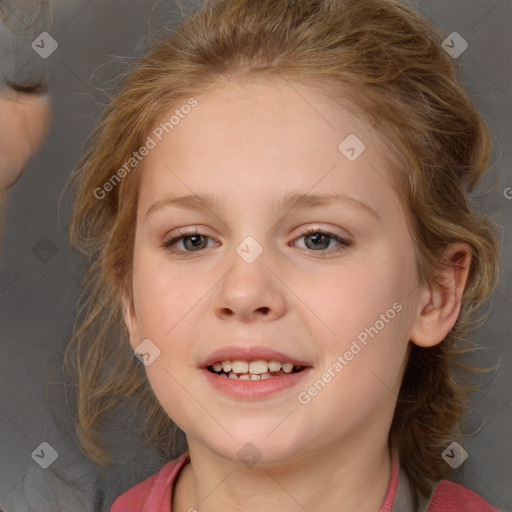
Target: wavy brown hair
{"points": [[383, 60]]}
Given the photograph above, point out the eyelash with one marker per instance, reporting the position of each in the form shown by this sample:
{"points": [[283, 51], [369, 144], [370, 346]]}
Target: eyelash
{"points": [[183, 234], [33, 88]]}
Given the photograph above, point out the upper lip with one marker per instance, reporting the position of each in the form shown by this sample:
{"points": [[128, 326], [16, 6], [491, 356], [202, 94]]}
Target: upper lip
{"points": [[254, 353]]}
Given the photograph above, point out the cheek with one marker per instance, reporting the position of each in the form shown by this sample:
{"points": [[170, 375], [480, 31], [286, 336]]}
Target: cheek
{"points": [[355, 295], [161, 303], [22, 136], [162, 296], [365, 307]]}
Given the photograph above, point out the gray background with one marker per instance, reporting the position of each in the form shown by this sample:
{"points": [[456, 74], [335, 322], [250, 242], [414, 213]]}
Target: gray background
{"points": [[37, 297]]}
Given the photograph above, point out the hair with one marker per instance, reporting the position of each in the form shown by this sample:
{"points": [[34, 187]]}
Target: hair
{"points": [[381, 59]]}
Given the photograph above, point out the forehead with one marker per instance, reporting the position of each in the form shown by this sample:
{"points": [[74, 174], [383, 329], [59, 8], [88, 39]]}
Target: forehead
{"points": [[260, 138]]}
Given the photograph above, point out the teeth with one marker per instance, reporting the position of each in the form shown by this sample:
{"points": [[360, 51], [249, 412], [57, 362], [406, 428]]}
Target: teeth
{"points": [[247, 376], [287, 367], [274, 366], [239, 366], [255, 367], [253, 370], [258, 367]]}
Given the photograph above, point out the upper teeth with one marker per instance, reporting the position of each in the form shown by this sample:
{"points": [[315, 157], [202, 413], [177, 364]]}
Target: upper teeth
{"points": [[255, 367]]}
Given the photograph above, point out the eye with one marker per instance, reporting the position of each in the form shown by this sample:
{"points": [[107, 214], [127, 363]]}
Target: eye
{"points": [[318, 239], [32, 88], [194, 238]]}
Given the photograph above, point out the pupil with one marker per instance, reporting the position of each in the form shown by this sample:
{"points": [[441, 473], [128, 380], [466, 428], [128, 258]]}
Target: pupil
{"points": [[315, 235], [196, 240]]}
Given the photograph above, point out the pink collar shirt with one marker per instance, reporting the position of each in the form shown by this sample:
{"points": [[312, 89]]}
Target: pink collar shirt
{"points": [[154, 493]]}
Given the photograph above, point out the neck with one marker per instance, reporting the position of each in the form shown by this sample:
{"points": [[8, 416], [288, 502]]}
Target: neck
{"points": [[353, 476]]}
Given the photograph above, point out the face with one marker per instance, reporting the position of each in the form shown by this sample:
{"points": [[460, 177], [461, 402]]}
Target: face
{"points": [[23, 73], [314, 297], [29, 116]]}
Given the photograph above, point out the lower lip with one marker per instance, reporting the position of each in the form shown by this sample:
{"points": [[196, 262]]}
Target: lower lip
{"points": [[254, 389]]}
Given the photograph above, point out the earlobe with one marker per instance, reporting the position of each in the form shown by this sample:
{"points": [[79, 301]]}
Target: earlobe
{"points": [[130, 320], [439, 306]]}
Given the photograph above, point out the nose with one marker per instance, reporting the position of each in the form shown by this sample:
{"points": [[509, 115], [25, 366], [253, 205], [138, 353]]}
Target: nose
{"points": [[250, 292]]}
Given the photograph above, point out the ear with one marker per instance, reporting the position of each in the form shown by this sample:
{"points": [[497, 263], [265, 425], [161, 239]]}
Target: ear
{"points": [[439, 306], [130, 320]]}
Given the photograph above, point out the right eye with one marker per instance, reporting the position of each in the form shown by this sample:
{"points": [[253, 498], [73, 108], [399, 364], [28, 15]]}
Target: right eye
{"points": [[194, 237]]}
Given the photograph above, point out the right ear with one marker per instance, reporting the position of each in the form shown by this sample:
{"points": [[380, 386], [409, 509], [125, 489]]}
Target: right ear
{"points": [[130, 320]]}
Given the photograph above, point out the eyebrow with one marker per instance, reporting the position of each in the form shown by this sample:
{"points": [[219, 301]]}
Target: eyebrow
{"points": [[290, 201]]}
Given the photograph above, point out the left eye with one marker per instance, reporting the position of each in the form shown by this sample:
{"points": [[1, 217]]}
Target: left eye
{"points": [[319, 239], [195, 237]]}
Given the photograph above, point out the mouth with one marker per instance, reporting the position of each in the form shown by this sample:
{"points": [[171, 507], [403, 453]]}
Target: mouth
{"points": [[241, 380], [253, 370]]}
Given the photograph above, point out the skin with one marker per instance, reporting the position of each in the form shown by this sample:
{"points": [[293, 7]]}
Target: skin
{"points": [[24, 104], [250, 145], [27, 120]]}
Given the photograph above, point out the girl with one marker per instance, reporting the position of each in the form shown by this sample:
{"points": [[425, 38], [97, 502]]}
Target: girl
{"points": [[278, 196]]}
